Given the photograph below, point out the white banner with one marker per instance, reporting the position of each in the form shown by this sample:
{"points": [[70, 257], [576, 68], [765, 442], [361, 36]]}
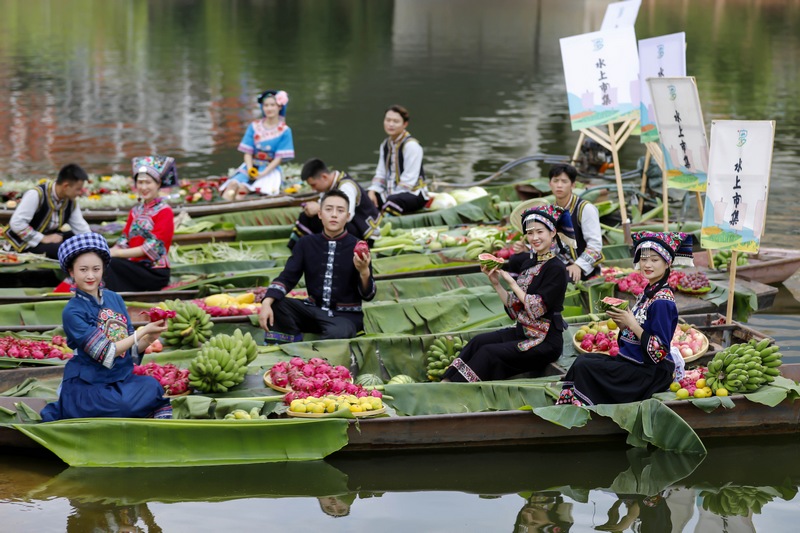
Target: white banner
{"points": [[659, 57], [620, 14], [738, 184], [682, 131], [601, 70]]}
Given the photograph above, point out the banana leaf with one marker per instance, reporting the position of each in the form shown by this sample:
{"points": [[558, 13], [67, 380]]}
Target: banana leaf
{"points": [[481, 209], [131, 486], [34, 388], [258, 233], [653, 471], [449, 398], [273, 216], [457, 310], [32, 313], [647, 422], [122, 442], [221, 267], [745, 300]]}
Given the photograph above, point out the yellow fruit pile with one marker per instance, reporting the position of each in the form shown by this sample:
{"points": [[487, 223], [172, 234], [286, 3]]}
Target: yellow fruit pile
{"points": [[224, 300], [332, 403]]}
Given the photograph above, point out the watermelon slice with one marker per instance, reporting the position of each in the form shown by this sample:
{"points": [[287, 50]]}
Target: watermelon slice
{"points": [[608, 302], [490, 261], [361, 249]]}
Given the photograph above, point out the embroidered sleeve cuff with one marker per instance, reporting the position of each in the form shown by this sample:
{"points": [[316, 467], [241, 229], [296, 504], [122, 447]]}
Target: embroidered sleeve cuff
{"points": [[534, 305], [154, 249], [276, 291], [108, 360], [285, 155], [98, 345], [245, 149], [654, 347], [510, 306]]}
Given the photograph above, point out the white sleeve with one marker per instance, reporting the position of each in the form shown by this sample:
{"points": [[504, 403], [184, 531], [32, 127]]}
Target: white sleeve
{"points": [[76, 221], [412, 163], [351, 190], [590, 227], [20, 222], [379, 181]]}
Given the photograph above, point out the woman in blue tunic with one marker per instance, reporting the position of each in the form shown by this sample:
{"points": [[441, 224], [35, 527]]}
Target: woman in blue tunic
{"points": [[266, 144], [99, 380], [646, 364]]}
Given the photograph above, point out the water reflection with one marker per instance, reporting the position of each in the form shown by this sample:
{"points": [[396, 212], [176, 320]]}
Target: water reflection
{"points": [[554, 490]]}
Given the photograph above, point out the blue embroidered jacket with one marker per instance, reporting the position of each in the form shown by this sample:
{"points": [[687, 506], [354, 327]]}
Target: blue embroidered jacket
{"points": [[92, 328], [658, 317]]}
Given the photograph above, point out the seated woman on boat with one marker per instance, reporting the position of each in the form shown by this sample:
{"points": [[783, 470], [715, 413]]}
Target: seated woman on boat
{"points": [[534, 300], [266, 144], [399, 183], [645, 364], [140, 257], [98, 380]]}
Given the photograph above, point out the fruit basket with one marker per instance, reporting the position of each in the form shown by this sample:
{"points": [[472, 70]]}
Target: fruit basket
{"points": [[268, 382], [598, 332], [683, 338], [687, 290], [364, 414]]}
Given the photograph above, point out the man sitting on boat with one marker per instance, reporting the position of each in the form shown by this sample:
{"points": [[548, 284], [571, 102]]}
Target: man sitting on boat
{"points": [[337, 280], [362, 220], [37, 223], [584, 261], [399, 183]]}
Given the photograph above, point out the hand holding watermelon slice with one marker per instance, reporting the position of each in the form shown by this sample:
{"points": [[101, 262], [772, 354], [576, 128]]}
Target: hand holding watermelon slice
{"points": [[609, 302], [490, 262]]}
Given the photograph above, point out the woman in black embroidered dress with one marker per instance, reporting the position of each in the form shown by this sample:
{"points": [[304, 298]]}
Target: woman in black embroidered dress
{"points": [[534, 300]]}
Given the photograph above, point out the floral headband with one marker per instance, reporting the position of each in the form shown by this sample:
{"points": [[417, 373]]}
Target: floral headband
{"points": [[674, 248], [555, 218], [281, 98]]}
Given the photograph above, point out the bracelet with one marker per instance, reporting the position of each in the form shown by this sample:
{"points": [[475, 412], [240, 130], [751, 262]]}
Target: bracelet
{"points": [[135, 340]]}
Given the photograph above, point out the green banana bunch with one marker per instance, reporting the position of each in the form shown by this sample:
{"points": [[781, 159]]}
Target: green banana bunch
{"points": [[483, 245], [744, 367], [441, 354], [722, 259], [191, 326], [222, 362], [735, 500]]}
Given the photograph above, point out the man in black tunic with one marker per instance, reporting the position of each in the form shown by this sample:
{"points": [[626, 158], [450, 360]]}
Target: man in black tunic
{"points": [[337, 281]]}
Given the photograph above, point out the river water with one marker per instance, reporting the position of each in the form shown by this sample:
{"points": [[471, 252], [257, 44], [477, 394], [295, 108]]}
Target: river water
{"points": [[97, 82]]}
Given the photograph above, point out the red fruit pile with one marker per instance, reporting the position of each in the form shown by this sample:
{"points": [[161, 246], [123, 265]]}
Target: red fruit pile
{"points": [[601, 342], [155, 347], [155, 314], [634, 283], [174, 380], [675, 278], [29, 349], [214, 310], [315, 378]]}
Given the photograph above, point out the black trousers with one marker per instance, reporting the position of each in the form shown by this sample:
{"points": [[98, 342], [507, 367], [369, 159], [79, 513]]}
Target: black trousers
{"points": [[50, 249], [401, 203], [123, 275], [495, 356], [294, 317]]}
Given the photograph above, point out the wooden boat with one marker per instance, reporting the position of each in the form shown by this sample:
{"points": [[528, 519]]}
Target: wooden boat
{"points": [[769, 265], [193, 210], [505, 429]]}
